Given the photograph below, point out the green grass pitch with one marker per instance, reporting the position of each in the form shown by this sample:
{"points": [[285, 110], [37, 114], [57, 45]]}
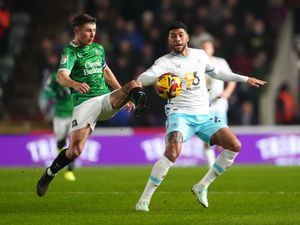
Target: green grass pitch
{"points": [[253, 195]]}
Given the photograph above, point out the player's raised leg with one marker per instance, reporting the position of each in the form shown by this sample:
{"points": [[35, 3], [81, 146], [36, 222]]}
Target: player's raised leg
{"points": [[225, 138], [131, 91]]}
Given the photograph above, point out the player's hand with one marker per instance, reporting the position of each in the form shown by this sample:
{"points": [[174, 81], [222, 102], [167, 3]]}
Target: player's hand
{"points": [[255, 82], [82, 87], [129, 106]]}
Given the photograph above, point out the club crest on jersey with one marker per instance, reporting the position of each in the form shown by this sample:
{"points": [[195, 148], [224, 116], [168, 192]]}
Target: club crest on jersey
{"points": [[64, 59], [97, 52]]}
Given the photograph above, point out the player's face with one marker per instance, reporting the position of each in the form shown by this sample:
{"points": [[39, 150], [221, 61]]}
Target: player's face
{"points": [[208, 47], [178, 39], [85, 34]]}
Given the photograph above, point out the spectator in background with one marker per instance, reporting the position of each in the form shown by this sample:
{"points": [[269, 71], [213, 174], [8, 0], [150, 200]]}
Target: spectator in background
{"points": [[130, 34], [4, 26], [246, 114], [276, 14], [285, 106]]}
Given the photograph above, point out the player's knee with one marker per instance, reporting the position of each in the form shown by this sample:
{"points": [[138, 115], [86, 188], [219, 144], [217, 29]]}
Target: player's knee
{"points": [[174, 137]]}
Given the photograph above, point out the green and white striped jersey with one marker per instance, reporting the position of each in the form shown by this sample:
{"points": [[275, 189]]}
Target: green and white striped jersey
{"points": [[86, 65]]}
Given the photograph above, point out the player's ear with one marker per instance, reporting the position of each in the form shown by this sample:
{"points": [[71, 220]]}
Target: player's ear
{"points": [[76, 30]]}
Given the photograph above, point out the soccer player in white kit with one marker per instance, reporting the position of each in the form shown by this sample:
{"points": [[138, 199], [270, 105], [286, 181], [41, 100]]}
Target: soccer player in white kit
{"points": [[188, 114], [218, 92]]}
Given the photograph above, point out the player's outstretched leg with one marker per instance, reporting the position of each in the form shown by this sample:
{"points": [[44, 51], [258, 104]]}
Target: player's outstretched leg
{"points": [[201, 194], [43, 183], [142, 206], [60, 162], [224, 160], [140, 100]]}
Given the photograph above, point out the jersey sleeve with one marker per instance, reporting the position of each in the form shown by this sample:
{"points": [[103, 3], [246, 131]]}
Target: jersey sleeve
{"points": [[67, 60], [216, 73], [149, 77]]}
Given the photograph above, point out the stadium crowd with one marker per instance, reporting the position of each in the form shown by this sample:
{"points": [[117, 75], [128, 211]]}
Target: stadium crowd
{"points": [[133, 35]]}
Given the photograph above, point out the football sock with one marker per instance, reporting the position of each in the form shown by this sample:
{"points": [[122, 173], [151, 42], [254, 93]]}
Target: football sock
{"points": [[61, 144], [135, 94], [224, 160], [71, 166], [210, 156], [159, 171], [60, 162]]}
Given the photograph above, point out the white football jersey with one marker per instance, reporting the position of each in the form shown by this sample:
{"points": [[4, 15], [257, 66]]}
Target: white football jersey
{"points": [[194, 98], [216, 87]]}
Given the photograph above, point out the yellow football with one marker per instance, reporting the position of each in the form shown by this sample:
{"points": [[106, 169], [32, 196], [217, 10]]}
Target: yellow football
{"points": [[168, 86]]}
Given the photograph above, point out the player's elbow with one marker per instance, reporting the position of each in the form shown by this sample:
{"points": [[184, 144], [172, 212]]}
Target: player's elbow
{"points": [[59, 78]]}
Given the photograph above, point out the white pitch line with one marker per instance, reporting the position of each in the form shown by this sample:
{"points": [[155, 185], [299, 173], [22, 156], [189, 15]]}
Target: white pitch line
{"points": [[159, 192]]}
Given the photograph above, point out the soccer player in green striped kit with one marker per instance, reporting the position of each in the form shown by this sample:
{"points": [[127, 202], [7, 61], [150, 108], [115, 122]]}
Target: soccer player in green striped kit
{"points": [[83, 69], [63, 108]]}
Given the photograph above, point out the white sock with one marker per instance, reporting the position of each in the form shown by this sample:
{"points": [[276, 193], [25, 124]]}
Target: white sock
{"points": [[224, 160], [49, 172], [210, 156], [159, 171]]}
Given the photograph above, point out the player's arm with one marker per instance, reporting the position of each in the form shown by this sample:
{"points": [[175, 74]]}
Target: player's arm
{"points": [[149, 77], [110, 78], [229, 76], [64, 79]]}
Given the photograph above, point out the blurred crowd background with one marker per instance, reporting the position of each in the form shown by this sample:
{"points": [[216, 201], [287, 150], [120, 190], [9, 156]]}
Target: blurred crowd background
{"points": [[247, 34]]}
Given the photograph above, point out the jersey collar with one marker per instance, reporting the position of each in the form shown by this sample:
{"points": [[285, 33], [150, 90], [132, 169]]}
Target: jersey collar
{"points": [[72, 43], [181, 56]]}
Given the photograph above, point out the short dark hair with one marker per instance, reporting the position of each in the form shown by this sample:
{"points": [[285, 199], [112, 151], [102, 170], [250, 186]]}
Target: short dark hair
{"points": [[177, 25], [82, 19]]}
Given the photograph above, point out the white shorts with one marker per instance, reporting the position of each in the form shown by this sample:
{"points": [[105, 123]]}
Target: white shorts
{"points": [[88, 112], [61, 127]]}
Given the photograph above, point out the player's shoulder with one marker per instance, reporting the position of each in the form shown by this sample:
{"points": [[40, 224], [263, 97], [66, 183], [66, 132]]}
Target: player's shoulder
{"points": [[163, 59], [197, 51], [97, 46], [198, 54], [70, 48]]}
